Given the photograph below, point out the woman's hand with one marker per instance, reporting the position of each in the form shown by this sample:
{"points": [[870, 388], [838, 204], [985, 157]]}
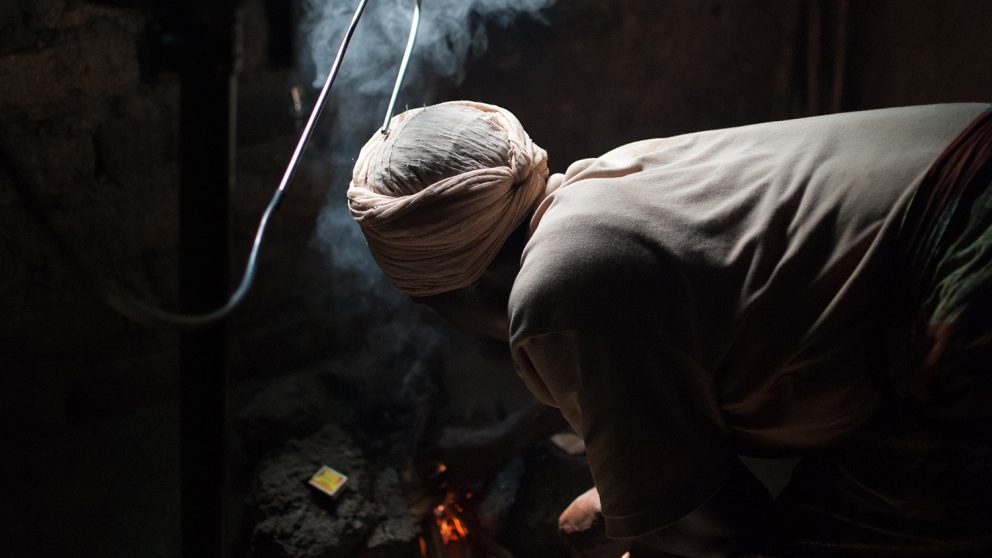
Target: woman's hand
{"points": [[584, 529], [582, 513]]}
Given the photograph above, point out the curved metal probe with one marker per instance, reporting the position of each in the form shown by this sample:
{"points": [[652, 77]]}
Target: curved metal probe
{"points": [[145, 313], [157, 316], [414, 26]]}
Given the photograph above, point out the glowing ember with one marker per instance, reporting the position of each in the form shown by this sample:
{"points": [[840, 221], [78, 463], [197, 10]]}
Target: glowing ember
{"points": [[449, 524]]}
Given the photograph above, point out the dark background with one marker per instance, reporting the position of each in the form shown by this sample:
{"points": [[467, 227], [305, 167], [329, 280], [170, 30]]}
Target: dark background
{"points": [[89, 110]]}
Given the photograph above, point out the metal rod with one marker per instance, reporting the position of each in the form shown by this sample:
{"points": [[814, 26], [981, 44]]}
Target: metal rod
{"points": [[142, 312], [414, 26], [294, 163], [318, 107], [145, 313]]}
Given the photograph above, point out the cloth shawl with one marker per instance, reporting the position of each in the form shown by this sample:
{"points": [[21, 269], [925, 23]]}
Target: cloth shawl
{"points": [[439, 237]]}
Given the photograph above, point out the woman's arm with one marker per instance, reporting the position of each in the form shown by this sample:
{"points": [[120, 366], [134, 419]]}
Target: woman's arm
{"points": [[473, 455]]}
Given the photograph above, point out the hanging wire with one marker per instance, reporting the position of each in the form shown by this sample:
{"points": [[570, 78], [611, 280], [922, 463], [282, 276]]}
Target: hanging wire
{"points": [[414, 26], [142, 312]]}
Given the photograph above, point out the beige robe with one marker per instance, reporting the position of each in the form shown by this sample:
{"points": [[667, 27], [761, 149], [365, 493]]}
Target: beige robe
{"points": [[683, 300]]}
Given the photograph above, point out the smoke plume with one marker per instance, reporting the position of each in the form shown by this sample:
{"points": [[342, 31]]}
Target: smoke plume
{"points": [[451, 32]]}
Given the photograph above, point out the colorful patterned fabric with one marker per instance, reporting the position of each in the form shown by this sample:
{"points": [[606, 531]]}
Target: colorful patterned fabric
{"points": [[944, 358], [917, 480]]}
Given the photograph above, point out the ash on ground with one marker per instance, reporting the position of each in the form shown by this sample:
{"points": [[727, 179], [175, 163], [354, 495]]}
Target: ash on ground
{"points": [[289, 427]]}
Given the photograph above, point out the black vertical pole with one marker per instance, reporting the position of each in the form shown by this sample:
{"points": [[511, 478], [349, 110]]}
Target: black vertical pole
{"points": [[208, 30]]}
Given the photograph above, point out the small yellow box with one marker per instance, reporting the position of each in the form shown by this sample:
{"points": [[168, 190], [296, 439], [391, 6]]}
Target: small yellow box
{"points": [[328, 481]]}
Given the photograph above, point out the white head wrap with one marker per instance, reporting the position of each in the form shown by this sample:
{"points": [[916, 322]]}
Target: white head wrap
{"points": [[431, 238]]}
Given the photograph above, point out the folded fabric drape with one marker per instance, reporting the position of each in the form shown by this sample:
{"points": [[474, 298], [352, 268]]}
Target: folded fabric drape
{"points": [[434, 236]]}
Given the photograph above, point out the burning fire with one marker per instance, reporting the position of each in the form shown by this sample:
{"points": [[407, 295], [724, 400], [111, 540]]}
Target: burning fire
{"points": [[449, 523]]}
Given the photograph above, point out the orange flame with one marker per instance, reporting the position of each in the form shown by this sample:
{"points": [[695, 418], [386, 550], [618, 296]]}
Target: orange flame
{"points": [[449, 524]]}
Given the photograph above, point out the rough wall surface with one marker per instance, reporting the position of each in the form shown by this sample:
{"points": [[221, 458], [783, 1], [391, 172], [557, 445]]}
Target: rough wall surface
{"points": [[910, 53], [86, 113], [607, 73], [99, 146]]}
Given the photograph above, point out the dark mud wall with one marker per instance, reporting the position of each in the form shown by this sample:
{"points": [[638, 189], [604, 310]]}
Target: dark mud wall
{"points": [[89, 112], [908, 53], [99, 145]]}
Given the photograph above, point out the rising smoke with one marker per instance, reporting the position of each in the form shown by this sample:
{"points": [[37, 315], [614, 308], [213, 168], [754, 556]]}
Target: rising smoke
{"points": [[451, 32], [381, 322]]}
